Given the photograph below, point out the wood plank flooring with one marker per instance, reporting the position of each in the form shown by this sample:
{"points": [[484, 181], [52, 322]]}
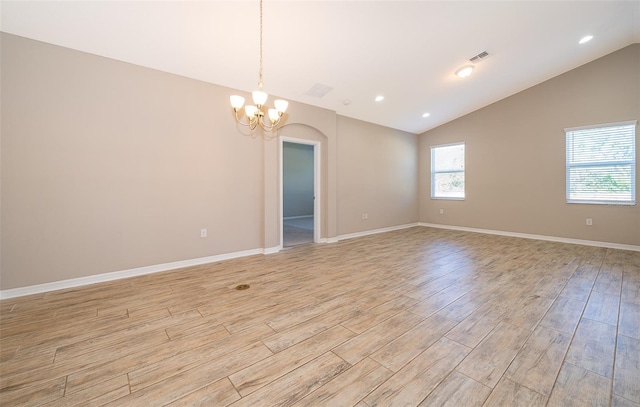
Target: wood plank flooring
{"points": [[415, 317]]}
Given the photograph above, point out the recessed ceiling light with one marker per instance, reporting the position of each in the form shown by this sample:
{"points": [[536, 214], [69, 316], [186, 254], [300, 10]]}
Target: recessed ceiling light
{"points": [[464, 71], [426, 114], [379, 98], [585, 39]]}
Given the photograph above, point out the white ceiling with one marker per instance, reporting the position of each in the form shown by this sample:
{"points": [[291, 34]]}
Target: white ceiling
{"points": [[407, 51]]}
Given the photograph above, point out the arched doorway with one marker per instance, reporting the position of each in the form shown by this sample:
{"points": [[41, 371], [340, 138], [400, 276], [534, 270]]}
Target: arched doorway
{"points": [[300, 186]]}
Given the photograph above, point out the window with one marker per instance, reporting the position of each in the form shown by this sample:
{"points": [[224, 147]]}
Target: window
{"points": [[601, 164], [447, 171]]}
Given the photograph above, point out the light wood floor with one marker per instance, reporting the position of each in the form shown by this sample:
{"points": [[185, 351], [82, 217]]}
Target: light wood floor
{"points": [[413, 317]]}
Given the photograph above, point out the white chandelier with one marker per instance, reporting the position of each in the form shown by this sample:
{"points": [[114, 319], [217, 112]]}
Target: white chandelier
{"points": [[254, 113]]}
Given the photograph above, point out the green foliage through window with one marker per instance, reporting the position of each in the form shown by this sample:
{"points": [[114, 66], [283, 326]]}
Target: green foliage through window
{"points": [[447, 171], [601, 164]]}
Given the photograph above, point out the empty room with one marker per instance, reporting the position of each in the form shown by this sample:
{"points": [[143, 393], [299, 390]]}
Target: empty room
{"points": [[319, 203]]}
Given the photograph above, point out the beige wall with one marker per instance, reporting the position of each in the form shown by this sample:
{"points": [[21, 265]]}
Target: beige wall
{"points": [[515, 155], [377, 169], [108, 166]]}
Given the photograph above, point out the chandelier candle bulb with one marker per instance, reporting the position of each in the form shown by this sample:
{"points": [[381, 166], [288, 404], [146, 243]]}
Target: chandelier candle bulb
{"points": [[281, 105], [236, 102], [251, 111], [273, 115], [259, 98]]}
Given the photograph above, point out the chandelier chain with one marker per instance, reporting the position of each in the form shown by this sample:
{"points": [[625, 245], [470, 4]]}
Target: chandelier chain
{"points": [[260, 74]]}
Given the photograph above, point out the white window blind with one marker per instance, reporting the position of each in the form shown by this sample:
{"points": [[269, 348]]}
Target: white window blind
{"points": [[601, 164], [447, 171]]}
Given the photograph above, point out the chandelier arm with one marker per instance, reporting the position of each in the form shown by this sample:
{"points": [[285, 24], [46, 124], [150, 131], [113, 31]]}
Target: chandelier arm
{"points": [[269, 128], [238, 119], [270, 132], [252, 122], [264, 125]]}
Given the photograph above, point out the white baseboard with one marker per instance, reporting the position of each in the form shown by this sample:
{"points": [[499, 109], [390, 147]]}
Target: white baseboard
{"points": [[375, 231], [117, 275], [329, 240], [271, 250], [537, 237]]}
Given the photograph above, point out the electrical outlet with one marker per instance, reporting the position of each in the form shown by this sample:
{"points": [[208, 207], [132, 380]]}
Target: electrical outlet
{"points": [[203, 232], [441, 211], [365, 216], [589, 222]]}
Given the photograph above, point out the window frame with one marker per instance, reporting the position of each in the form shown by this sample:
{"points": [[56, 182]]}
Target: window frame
{"points": [[434, 172], [632, 163]]}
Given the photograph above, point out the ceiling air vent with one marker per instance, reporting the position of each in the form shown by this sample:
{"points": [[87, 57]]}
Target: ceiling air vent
{"points": [[479, 57], [319, 90]]}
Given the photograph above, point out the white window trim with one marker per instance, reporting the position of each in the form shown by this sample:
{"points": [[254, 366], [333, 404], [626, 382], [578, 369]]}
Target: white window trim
{"points": [[599, 126], [633, 181], [448, 198]]}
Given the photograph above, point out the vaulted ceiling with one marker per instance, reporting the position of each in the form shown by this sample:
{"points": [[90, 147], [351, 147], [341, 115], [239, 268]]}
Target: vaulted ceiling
{"points": [[406, 51]]}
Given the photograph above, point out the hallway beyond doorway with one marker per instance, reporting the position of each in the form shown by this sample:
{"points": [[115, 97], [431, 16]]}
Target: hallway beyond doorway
{"points": [[297, 231]]}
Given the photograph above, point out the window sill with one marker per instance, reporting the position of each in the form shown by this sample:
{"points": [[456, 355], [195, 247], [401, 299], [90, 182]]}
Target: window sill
{"points": [[447, 198]]}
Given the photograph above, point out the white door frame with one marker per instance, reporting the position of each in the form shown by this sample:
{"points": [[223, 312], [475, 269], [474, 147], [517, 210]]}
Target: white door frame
{"points": [[316, 185]]}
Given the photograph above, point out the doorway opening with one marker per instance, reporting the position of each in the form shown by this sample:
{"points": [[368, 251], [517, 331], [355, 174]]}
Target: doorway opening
{"points": [[299, 179]]}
